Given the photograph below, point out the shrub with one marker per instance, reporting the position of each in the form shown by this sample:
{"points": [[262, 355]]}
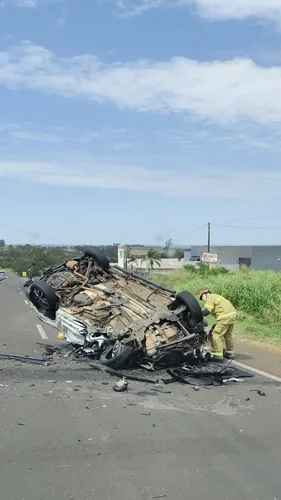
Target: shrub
{"points": [[256, 294]]}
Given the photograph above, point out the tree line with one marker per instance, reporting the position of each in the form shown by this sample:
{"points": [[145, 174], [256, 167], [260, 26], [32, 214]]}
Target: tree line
{"points": [[33, 259]]}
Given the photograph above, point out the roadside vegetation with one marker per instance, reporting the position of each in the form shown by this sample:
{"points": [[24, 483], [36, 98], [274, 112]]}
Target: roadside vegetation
{"points": [[255, 294], [33, 259]]}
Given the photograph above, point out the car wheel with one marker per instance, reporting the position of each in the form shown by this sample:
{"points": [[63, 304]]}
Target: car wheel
{"points": [[100, 258], [193, 309], [44, 298], [116, 355]]}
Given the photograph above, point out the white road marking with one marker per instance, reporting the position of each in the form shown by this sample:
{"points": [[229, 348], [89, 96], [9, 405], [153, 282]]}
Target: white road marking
{"points": [[257, 372], [42, 332], [26, 302]]}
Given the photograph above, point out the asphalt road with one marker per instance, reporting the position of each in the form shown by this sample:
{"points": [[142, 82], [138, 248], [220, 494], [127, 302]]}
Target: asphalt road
{"points": [[66, 435]]}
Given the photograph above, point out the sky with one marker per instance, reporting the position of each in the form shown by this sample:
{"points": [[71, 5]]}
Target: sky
{"points": [[137, 121]]}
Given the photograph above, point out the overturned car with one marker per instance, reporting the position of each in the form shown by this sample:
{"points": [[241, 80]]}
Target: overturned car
{"points": [[118, 317]]}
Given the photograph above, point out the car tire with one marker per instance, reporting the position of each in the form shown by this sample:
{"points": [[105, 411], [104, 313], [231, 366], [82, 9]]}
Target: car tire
{"points": [[193, 309], [100, 258], [44, 298], [116, 355]]}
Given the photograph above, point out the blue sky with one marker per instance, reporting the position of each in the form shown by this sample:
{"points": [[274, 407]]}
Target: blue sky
{"points": [[140, 121]]}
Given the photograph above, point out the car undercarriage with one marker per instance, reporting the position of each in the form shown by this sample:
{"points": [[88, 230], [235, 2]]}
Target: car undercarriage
{"points": [[117, 316]]}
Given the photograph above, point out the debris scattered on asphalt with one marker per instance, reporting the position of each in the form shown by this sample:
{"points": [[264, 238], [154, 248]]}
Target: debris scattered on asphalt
{"points": [[196, 388], [207, 374], [162, 391], [25, 359], [233, 379], [120, 385], [160, 496], [259, 392], [20, 423], [120, 374], [248, 399]]}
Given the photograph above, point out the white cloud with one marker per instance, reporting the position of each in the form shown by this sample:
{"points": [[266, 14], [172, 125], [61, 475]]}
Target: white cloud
{"points": [[21, 3], [239, 138], [28, 3], [130, 8], [221, 92], [237, 9], [122, 145], [25, 132], [213, 9], [198, 183], [37, 136]]}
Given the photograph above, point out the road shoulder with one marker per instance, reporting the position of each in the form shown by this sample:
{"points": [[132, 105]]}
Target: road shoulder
{"points": [[259, 357]]}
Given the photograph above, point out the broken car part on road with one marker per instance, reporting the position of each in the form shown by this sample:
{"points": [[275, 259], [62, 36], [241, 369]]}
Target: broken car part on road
{"points": [[108, 313], [25, 359]]}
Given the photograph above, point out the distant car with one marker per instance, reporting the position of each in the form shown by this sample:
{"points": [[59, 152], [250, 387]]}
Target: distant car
{"points": [[3, 275]]}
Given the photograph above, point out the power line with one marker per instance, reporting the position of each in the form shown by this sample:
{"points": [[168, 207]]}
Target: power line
{"points": [[192, 231], [13, 228], [246, 227]]}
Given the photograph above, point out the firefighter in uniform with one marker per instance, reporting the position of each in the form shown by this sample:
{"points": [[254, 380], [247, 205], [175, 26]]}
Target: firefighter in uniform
{"points": [[225, 315]]}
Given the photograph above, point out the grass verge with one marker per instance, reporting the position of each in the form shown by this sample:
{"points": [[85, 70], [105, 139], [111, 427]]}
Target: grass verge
{"points": [[10, 271], [255, 294]]}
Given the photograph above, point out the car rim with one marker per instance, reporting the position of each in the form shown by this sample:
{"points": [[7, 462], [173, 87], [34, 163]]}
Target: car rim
{"points": [[116, 349], [40, 300]]}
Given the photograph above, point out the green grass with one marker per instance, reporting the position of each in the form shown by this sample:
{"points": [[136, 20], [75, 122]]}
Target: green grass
{"points": [[255, 294], [10, 271]]}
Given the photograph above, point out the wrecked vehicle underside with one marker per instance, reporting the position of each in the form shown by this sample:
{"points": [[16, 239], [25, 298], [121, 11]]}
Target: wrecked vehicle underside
{"points": [[119, 317]]}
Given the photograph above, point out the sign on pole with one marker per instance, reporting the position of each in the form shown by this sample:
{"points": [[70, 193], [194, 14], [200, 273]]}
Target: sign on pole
{"points": [[212, 258]]}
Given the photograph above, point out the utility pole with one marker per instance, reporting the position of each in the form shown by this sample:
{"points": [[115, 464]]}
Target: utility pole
{"points": [[209, 237]]}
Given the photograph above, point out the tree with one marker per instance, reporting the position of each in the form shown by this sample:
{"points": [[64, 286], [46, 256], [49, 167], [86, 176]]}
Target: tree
{"points": [[2, 243], [168, 248], [131, 259], [154, 257], [179, 253], [32, 258], [169, 243]]}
